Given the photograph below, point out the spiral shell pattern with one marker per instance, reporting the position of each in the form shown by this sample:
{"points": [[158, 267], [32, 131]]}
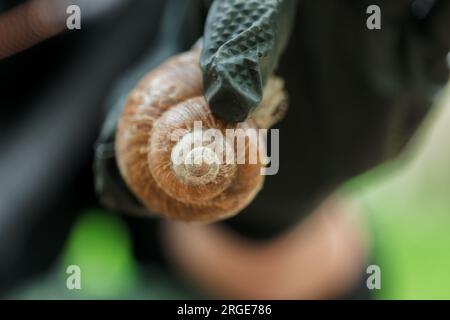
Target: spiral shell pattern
{"points": [[201, 187]]}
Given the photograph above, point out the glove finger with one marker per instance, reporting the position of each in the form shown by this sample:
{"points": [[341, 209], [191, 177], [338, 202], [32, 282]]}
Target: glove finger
{"points": [[242, 43]]}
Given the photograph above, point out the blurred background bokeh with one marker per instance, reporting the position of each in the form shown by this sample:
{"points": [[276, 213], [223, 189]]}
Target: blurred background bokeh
{"points": [[52, 99]]}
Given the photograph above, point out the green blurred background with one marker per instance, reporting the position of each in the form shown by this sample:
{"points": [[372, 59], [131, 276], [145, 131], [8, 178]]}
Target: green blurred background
{"points": [[406, 203], [408, 209]]}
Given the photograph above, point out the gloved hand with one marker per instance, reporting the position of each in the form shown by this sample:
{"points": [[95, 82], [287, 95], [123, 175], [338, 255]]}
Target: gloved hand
{"points": [[241, 46], [249, 39], [357, 95]]}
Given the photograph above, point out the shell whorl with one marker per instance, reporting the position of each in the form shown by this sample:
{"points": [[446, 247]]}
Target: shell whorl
{"points": [[173, 167]]}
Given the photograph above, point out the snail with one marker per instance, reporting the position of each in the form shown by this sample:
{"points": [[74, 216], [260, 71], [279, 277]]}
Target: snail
{"points": [[183, 178]]}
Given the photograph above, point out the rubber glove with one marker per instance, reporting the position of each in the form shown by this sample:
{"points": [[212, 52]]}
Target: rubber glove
{"points": [[242, 43]]}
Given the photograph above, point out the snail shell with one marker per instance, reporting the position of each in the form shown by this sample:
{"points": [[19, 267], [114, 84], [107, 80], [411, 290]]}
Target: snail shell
{"points": [[182, 177]]}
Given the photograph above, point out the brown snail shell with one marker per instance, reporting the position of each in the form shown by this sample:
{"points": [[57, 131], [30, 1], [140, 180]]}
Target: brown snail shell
{"points": [[169, 99]]}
